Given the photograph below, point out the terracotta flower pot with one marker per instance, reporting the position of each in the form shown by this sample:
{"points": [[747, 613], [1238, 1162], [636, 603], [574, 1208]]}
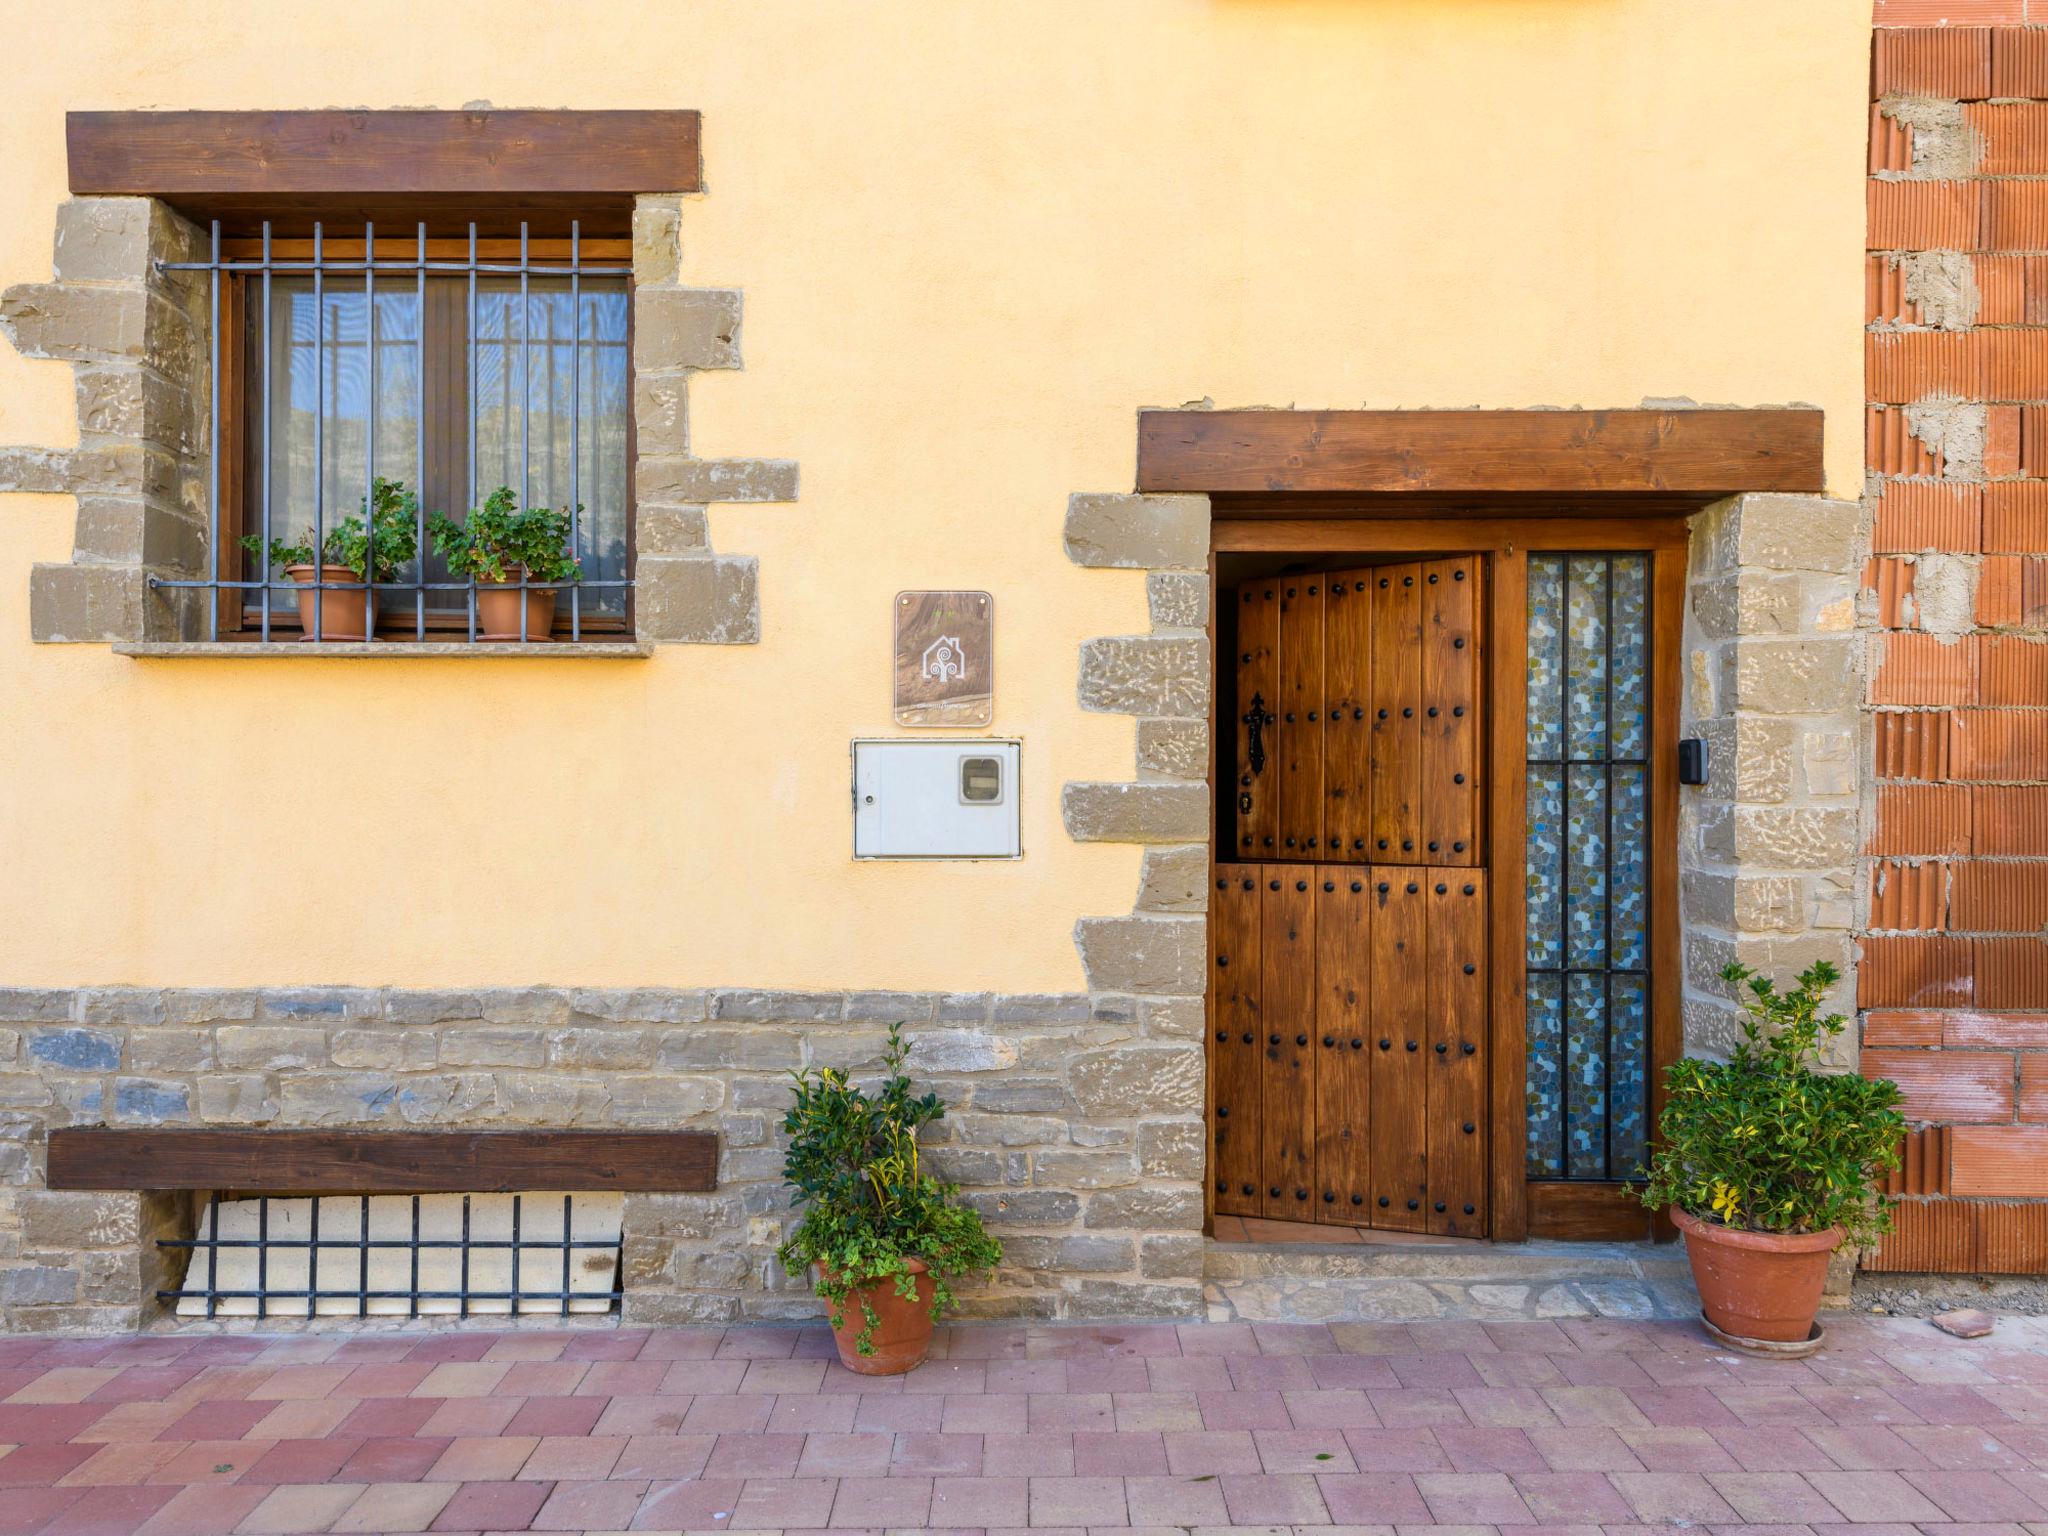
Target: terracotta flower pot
{"points": [[903, 1330], [341, 613], [497, 611], [1758, 1285]]}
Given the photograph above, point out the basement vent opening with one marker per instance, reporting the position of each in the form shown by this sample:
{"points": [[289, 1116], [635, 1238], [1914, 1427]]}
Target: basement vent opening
{"points": [[453, 1255]]}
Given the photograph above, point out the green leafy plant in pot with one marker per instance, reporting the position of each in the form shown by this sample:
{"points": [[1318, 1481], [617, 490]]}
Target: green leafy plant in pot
{"points": [[1768, 1165], [345, 556], [496, 546], [881, 1236]]}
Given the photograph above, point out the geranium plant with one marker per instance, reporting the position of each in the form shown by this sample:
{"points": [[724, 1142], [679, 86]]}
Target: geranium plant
{"points": [[498, 538], [868, 1203], [1764, 1143], [348, 541]]}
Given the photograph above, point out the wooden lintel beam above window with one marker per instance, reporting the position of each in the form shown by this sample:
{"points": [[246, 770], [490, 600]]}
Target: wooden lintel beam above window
{"points": [[1678, 455], [382, 1162], [386, 165]]}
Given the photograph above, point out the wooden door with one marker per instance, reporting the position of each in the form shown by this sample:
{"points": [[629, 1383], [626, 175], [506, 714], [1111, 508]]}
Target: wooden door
{"points": [[1349, 1005]]}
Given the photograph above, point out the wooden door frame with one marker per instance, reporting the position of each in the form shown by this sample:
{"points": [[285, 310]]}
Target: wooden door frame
{"points": [[1519, 1208]]}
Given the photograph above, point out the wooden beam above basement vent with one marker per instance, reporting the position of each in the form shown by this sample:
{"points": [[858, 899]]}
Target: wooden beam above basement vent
{"points": [[236, 166], [1694, 455], [383, 1162]]}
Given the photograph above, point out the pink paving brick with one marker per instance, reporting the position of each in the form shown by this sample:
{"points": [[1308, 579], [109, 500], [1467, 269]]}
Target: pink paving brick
{"points": [[1970, 1495], [1489, 1450], [1767, 1497], [696, 1505], [883, 1501], [591, 1506], [1679, 1450], [1032, 1455], [970, 1503], [556, 1415], [211, 1461], [119, 1463], [755, 1455], [1085, 1501], [38, 1466], [1008, 1413], [492, 1507], [303, 1507], [1584, 1450], [1321, 1408], [300, 1461], [664, 1458], [926, 1454], [398, 1459], [846, 1455], [1871, 1495], [104, 1511], [1372, 1498], [1568, 1498], [1660, 1498], [774, 1503], [1471, 1498], [395, 1507]]}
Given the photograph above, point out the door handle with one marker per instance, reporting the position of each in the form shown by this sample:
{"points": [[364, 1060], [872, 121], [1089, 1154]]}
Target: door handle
{"points": [[1256, 719]]}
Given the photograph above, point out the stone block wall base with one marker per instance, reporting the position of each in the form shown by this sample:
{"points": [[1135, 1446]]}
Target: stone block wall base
{"points": [[1073, 1125]]}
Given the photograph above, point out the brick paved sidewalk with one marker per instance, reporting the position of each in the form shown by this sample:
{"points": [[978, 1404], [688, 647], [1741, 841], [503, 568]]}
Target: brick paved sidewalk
{"points": [[1580, 1425]]}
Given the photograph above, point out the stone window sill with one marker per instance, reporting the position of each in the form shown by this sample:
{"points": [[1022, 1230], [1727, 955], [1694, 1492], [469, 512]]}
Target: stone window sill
{"points": [[383, 650]]}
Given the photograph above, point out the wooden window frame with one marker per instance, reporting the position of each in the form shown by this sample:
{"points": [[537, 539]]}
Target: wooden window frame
{"points": [[1522, 1207], [240, 513]]}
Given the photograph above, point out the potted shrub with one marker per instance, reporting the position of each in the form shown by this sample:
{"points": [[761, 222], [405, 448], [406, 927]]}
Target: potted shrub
{"points": [[346, 558], [1768, 1165], [496, 546], [881, 1236]]}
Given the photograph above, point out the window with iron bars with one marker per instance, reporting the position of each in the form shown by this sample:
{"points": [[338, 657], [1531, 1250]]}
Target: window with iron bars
{"points": [[370, 383]]}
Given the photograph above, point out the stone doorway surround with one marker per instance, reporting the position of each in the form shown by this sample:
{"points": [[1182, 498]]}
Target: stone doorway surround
{"points": [[1767, 852]]}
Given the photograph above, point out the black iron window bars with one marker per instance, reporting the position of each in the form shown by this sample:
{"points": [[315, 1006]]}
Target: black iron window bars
{"points": [[320, 267], [354, 1255]]}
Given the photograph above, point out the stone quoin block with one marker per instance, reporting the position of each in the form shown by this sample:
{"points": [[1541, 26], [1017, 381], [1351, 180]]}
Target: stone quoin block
{"points": [[1177, 600], [1137, 532], [1174, 879], [687, 328], [1173, 749], [707, 600], [1156, 955], [1134, 813], [701, 481], [1164, 676]]}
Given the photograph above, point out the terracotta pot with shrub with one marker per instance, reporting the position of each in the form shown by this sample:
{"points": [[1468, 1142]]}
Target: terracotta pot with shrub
{"points": [[880, 1237], [1769, 1166], [345, 558], [498, 546]]}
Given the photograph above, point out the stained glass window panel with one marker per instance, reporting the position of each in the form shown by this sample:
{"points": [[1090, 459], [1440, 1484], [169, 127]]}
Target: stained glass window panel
{"points": [[1587, 864]]}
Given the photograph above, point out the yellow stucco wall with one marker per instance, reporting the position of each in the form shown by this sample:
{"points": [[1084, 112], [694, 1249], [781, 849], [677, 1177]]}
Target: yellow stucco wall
{"points": [[974, 239]]}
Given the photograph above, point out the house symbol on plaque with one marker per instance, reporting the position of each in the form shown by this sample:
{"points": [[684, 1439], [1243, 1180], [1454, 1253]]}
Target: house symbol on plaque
{"points": [[945, 658]]}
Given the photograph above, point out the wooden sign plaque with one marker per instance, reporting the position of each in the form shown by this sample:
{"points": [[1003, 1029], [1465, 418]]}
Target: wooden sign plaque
{"points": [[945, 658]]}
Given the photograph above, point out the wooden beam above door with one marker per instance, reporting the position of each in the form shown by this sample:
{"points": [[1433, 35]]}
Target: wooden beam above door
{"points": [[1675, 457]]}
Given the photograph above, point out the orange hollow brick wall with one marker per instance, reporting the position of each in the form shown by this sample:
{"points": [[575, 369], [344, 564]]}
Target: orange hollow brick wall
{"points": [[1953, 980]]}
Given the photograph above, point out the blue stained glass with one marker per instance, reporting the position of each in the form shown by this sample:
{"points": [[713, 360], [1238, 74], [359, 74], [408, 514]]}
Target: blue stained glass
{"points": [[1585, 1073], [1545, 1028], [1585, 902], [1587, 865], [1545, 866], [1628, 1004], [1631, 707], [1586, 660], [1630, 865], [1546, 657]]}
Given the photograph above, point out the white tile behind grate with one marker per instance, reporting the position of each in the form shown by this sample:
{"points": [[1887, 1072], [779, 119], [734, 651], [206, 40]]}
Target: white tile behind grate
{"points": [[592, 1270]]}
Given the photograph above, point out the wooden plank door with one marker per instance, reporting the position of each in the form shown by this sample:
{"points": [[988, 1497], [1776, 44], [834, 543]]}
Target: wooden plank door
{"points": [[1457, 1060], [1258, 692], [1452, 638], [1343, 1051], [1347, 730], [1398, 1029], [1236, 1041], [1300, 707], [1396, 763], [1287, 969]]}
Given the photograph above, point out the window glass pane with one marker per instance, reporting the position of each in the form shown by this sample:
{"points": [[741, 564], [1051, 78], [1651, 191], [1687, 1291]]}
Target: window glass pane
{"points": [[334, 378], [540, 367], [1587, 865]]}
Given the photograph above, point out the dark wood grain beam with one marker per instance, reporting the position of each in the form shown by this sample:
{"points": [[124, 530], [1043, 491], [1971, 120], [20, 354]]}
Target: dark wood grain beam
{"points": [[383, 1162], [1685, 454]]}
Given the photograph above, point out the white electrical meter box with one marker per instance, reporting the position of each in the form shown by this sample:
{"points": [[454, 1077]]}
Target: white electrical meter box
{"points": [[924, 799]]}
